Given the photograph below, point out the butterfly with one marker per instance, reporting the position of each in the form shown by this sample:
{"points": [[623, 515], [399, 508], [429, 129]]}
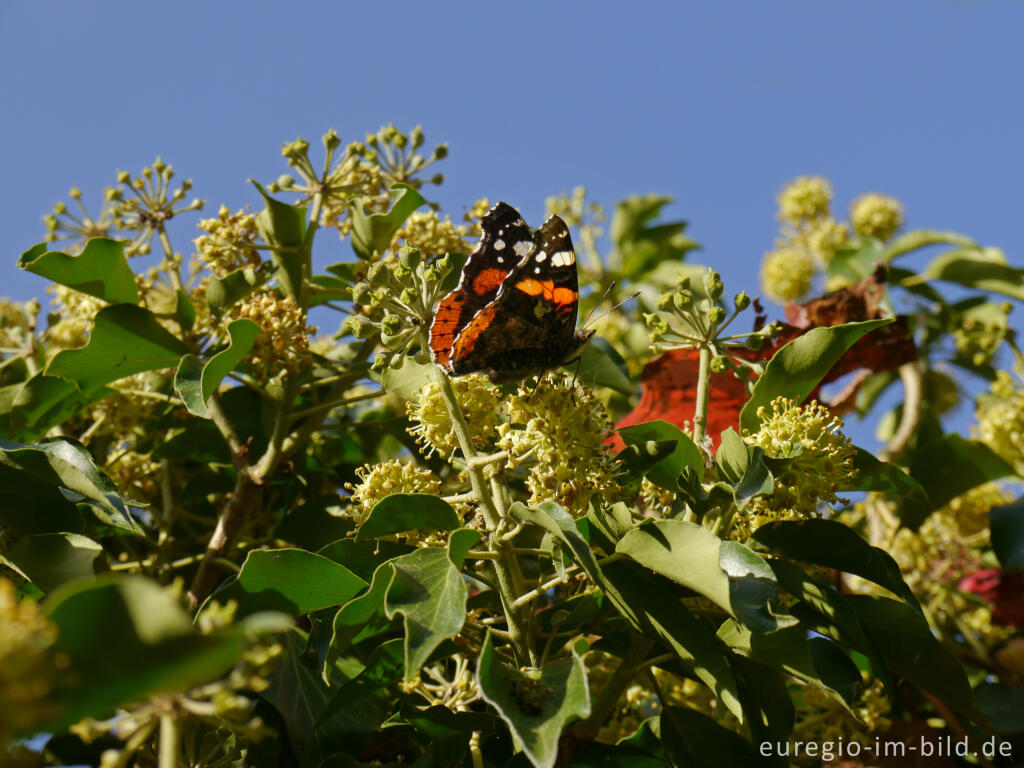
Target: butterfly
{"points": [[513, 314]]}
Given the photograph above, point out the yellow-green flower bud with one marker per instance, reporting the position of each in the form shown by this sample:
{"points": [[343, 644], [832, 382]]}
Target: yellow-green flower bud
{"points": [[361, 327], [741, 301], [437, 178], [378, 274], [123, 177], [417, 137], [441, 151], [331, 140], [391, 324], [409, 257], [755, 342], [362, 294], [285, 181], [682, 299], [666, 301], [408, 295], [713, 284], [59, 208], [720, 364]]}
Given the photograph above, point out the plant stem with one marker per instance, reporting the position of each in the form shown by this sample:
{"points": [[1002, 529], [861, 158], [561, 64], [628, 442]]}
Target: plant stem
{"points": [[700, 413], [170, 735]]}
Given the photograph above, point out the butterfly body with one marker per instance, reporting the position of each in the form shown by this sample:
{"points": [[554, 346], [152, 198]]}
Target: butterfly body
{"points": [[513, 314]]}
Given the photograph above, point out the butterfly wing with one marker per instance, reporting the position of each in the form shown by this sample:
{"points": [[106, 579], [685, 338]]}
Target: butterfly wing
{"points": [[531, 322], [504, 241]]}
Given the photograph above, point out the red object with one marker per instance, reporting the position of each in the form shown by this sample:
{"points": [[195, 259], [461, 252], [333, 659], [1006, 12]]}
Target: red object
{"points": [[1005, 591], [669, 390]]}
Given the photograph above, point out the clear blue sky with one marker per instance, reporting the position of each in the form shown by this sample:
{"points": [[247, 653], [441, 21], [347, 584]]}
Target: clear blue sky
{"points": [[716, 104]]}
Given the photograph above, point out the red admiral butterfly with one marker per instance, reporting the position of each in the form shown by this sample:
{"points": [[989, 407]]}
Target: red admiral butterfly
{"points": [[513, 313]]}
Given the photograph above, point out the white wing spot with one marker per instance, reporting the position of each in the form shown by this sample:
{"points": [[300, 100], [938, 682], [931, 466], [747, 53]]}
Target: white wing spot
{"points": [[536, 270], [541, 255], [563, 259], [519, 223], [501, 259], [522, 248], [499, 244]]}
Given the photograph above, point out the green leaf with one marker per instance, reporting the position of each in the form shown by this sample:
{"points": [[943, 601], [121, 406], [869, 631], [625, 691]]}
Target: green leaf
{"points": [[728, 573], [405, 380], [361, 617], [124, 340], [639, 244], [690, 640], [536, 704], [316, 524], [883, 477], [283, 227], [156, 649], [50, 559], [407, 512], [601, 366], [796, 369], [1006, 523], [29, 506], [953, 465], [383, 668], [28, 409], [184, 311], [910, 649], [694, 740], [195, 381], [100, 270], [686, 454], [982, 268], [222, 292], [363, 557], [372, 233], [834, 545], [292, 581], [743, 466], [61, 461], [921, 238], [428, 591]]}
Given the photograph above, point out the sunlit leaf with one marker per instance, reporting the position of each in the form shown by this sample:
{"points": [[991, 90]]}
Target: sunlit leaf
{"points": [[100, 270], [195, 381]]}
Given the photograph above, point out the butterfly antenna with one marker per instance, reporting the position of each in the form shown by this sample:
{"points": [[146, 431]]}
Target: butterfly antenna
{"points": [[593, 309], [626, 300]]}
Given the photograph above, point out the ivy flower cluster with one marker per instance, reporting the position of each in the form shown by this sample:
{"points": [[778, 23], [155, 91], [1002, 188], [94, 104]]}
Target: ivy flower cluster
{"points": [[560, 428], [283, 343], [378, 481], [480, 403], [1000, 418], [27, 665], [150, 204], [820, 463], [877, 216], [77, 226], [230, 241]]}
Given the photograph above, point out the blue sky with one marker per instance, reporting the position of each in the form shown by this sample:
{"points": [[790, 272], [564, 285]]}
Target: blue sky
{"points": [[714, 104]]}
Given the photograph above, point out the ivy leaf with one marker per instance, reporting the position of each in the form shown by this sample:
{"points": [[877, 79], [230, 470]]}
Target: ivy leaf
{"points": [[61, 461], [406, 380], [834, 545], [728, 573], [694, 740], [195, 381], [686, 454], [28, 409], [157, 647], [883, 477], [124, 340], [534, 706], [952, 466], [601, 366], [743, 466], [429, 592], [371, 233], [796, 369], [407, 512], [1006, 523], [983, 268], [50, 559], [100, 270], [291, 581], [223, 292], [317, 524], [283, 227]]}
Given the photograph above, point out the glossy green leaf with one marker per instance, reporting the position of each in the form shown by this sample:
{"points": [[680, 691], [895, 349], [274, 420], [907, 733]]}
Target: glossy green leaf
{"points": [[428, 591], [224, 291], [535, 704], [184, 310], [686, 454], [316, 524], [63, 462], [953, 465], [600, 365], [407, 512], [156, 649], [743, 467], [834, 545], [195, 381], [983, 268], [910, 649], [728, 573], [362, 557], [100, 270], [361, 617], [50, 559], [407, 379], [124, 340], [283, 227], [1006, 524], [921, 238], [883, 477], [28, 409], [292, 581], [372, 233], [690, 640], [796, 369], [694, 740]]}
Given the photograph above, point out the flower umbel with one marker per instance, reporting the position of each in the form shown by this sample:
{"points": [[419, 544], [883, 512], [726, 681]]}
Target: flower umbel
{"points": [[381, 480], [284, 342], [787, 273], [560, 428], [1001, 419], [432, 424], [821, 463], [229, 241], [64, 224], [805, 197], [875, 215]]}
